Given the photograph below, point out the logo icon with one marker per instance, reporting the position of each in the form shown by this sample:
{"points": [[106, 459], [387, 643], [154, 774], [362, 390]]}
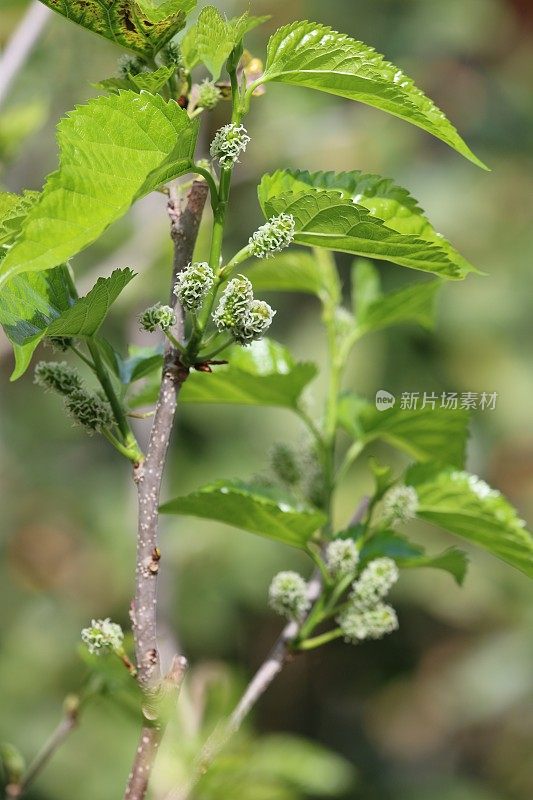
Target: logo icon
{"points": [[384, 400]]}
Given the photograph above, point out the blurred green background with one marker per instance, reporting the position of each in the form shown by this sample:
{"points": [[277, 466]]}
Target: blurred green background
{"points": [[442, 709]]}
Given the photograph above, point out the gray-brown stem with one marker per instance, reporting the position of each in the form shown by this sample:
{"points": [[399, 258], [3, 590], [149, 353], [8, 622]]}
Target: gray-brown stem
{"points": [[148, 475]]}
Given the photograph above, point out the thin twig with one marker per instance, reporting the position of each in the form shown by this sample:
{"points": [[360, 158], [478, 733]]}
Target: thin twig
{"points": [[58, 736], [21, 44], [184, 223], [267, 672]]}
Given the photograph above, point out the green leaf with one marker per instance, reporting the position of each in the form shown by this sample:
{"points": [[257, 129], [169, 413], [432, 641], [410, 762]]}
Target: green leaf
{"points": [[315, 56], [374, 310], [264, 374], [214, 38], [427, 434], [407, 554], [28, 304], [140, 25], [465, 505], [141, 361], [54, 312], [267, 512], [296, 271], [325, 219], [13, 210], [113, 150], [381, 196], [145, 81]]}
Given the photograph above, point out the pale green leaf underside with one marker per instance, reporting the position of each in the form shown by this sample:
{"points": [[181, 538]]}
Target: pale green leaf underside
{"points": [[296, 271], [374, 310], [313, 55], [214, 38], [382, 197], [140, 25], [407, 554], [36, 305], [325, 219], [263, 511], [465, 505], [427, 434], [113, 150]]}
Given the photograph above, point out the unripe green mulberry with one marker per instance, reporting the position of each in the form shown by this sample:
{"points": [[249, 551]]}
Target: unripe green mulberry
{"points": [[230, 141], [192, 285], [57, 376], [89, 410], [375, 581], [367, 623], [102, 636], [342, 557], [255, 324], [157, 316], [399, 505], [171, 55], [131, 65], [208, 95], [288, 595], [234, 304], [272, 237], [59, 343], [285, 464]]}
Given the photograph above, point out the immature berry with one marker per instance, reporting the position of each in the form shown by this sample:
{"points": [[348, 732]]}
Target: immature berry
{"points": [[255, 324], [192, 285], [399, 505], [229, 142], [342, 557], [208, 95], [59, 343], [171, 55], [367, 623], [272, 237], [102, 636], [90, 410], [157, 316], [57, 376], [288, 595], [234, 305], [285, 464], [375, 581], [131, 65]]}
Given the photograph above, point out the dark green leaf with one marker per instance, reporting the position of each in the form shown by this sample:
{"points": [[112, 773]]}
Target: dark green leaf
{"points": [[256, 509], [427, 434], [467, 506], [407, 554], [315, 56], [140, 25]]}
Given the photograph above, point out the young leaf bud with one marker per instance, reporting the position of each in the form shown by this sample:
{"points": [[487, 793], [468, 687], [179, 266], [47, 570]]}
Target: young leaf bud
{"points": [[57, 376], [229, 142], [342, 557], [157, 316], [399, 505], [272, 237], [192, 285], [89, 410], [208, 95], [234, 305], [288, 595], [367, 623], [102, 636], [285, 464], [375, 581]]}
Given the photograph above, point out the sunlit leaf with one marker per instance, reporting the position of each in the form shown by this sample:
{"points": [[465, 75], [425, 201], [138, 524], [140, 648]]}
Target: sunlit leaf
{"points": [[253, 508], [140, 25], [296, 271], [382, 197], [213, 38], [325, 219], [113, 150], [313, 55], [465, 505], [427, 434]]}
